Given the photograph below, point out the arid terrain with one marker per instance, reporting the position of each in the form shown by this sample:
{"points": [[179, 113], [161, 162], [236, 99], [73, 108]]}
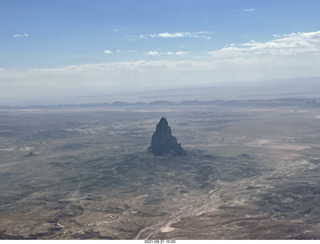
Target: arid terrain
{"points": [[83, 172]]}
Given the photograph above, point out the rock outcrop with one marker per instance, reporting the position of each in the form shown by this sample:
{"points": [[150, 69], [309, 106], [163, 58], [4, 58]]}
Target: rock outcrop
{"points": [[163, 143]]}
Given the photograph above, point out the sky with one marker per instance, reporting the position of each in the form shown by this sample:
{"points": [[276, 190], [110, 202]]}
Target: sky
{"points": [[51, 50]]}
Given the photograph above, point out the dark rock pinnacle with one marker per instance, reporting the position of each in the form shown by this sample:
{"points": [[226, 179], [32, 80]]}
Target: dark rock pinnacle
{"points": [[163, 143]]}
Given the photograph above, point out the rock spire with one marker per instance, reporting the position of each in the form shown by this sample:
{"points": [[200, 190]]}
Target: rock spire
{"points": [[163, 143]]}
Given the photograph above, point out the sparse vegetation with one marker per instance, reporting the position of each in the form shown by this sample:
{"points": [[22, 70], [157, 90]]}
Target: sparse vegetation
{"points": [[251, 172]]}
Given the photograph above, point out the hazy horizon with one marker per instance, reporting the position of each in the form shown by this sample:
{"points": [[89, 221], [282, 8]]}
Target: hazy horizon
{"points": [[283, 89], [53, 51]]}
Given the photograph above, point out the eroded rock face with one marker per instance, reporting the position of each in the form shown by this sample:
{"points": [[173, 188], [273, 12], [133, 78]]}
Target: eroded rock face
{"points": [[163, 143]]}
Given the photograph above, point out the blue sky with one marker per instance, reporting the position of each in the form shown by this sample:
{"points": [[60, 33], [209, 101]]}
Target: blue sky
{"points": [[92, 44]]}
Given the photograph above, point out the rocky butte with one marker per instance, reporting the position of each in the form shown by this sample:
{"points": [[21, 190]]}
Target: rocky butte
{"points": [[163, 143]]}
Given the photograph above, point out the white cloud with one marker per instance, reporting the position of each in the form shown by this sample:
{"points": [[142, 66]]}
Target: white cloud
{"points": [[126, 51], [248, 9], [289, 44], [153, 53], [181, 53], [172, 35], [116, 30], [200, 34], [20, 35], [108, 51], [143, 36]]}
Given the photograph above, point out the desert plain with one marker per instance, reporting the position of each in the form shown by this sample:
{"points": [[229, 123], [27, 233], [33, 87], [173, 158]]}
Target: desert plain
{"points": [[84, 172]]}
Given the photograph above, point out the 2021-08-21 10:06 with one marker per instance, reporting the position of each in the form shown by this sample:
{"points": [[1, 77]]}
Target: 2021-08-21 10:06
{"points": [[160, 241]]}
